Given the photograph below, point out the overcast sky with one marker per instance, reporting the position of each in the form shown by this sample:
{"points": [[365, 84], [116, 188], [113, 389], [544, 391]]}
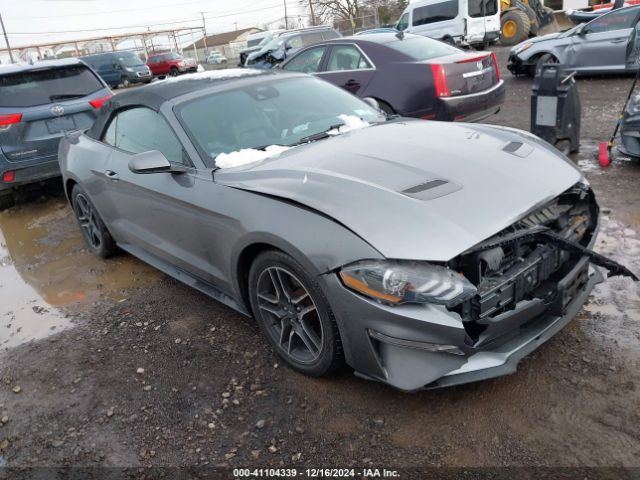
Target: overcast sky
{"points": [[36, 21]]}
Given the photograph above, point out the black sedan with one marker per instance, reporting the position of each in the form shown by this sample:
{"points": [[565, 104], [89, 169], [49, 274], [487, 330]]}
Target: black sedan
{"points": [[410, 75]]}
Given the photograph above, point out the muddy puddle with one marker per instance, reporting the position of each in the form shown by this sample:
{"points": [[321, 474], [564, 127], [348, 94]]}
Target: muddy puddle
{"points": [[45, 270]]}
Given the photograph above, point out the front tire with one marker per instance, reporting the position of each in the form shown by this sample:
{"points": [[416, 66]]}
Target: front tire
{"points": [[544, 58], [94, 231], [174, 72], [294, 315], [125, 82]]}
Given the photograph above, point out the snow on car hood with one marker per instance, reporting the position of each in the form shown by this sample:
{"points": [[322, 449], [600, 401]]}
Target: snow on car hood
{"points": [[415, 189]]}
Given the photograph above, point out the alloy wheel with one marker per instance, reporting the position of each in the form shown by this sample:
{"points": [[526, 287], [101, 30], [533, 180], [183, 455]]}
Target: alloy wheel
{"points": [[291, 315], [88, 221]]}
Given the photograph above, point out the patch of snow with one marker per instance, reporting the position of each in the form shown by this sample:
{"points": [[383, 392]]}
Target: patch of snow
{"points": [[351, 122], [201, 68], [248, 155], [216, 74]]}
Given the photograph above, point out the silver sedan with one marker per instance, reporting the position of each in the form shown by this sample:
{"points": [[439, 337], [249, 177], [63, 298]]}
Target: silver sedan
{"points": [[600, 46]]}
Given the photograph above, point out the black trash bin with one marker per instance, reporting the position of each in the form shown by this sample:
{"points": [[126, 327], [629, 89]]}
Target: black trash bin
{"points": [[555, 107]]}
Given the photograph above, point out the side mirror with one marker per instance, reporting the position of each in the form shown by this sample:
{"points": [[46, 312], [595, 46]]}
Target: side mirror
{"points": [[153, 162], [581, 30]]}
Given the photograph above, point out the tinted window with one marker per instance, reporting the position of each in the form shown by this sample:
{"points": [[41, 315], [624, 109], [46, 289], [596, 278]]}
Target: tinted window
{"points": [[482, 8], [346, 57], [311, 38], [613, 21], [422, 48], [306, 62], [295, 42], [27, 89], [329, 34], [437, 12], [403, 23], [263, 114], [140, 130]]}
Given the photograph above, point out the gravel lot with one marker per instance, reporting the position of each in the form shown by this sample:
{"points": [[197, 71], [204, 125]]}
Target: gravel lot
{"points": [[134, 369]]}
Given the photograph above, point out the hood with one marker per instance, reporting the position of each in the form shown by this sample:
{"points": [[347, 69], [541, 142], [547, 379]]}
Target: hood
{"points": [[415, 189], [543, 38]]}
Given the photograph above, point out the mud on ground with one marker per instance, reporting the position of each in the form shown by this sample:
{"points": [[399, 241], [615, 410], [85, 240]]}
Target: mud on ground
{"points": [[131, 368]]}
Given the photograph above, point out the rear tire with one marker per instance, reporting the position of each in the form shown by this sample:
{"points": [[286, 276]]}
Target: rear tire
{"points": [[294, 314], [515, 26], [7, 201], [95, 233]]}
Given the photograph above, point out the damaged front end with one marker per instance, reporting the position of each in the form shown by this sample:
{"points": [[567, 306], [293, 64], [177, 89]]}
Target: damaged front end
{"points": [[630, 129], [528, 282], [536, 267]]}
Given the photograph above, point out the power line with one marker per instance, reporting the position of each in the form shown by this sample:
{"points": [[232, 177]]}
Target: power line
{"points": [[214, 17]]}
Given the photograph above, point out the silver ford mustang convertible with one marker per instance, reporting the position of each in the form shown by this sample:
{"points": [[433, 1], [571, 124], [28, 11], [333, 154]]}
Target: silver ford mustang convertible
{"points": [[421, 254]]}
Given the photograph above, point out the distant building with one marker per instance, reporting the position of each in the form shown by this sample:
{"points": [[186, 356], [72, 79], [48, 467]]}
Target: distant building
{"points": [[227, 43]]}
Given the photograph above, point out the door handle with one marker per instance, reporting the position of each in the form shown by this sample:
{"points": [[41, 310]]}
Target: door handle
{"points": [[111, 175], [352, 83], [620, 40]]}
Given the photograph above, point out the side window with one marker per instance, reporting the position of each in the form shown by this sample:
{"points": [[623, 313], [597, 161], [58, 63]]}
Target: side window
{"points": [[311, 38], [306, 62], [140, 129], [482, 8], [610, 22], [295, 42], [346, 57], [403, 23], [437, 12], [329, 34]]}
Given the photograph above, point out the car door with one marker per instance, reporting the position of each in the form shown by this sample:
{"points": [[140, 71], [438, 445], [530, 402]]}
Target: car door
{"points": [[154, 213], [347, 66], [601, 45]]}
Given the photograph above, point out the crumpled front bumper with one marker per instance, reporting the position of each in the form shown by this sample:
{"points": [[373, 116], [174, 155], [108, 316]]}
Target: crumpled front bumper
{"points": [[517, 66], [630, 135], [415, 367]]}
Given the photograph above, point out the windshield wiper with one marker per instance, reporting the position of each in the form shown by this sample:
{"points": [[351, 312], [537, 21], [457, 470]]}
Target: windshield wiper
{"points": [[65, 95], [320, 135]]}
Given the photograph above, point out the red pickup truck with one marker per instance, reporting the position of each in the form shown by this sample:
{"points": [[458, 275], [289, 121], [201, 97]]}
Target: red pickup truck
{"points": [[171, 63]]}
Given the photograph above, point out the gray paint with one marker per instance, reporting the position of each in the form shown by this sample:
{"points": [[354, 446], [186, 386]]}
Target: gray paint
{"points": [[328, 204]]}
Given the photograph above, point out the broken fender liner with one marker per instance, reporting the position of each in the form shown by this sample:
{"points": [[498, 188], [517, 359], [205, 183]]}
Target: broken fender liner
{"points": [[613, 267]]}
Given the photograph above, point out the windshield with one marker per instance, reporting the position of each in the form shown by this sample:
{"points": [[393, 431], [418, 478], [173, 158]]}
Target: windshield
{"points": [[130, 60], [273, 44], [265, 40], [281, 112], [422, 48]]}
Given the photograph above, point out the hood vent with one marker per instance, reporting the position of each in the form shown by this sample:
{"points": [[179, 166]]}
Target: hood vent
{"points": [[431, 189], [518, 149]]}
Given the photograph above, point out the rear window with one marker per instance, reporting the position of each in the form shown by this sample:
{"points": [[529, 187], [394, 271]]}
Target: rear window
{"points": [[39, 87], [437, 12], [482, 8], [422, 48]]}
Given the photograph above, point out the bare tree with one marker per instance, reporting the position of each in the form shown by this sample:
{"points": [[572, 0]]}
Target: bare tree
{"points": [[342, 9]]}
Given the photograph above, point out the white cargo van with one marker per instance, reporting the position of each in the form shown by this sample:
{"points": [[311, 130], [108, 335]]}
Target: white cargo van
{"points": [[473, 23]]}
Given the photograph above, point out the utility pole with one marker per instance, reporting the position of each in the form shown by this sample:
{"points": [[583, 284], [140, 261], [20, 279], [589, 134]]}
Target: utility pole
{"points": [[286, 21], [6, 39], [204, 35]]}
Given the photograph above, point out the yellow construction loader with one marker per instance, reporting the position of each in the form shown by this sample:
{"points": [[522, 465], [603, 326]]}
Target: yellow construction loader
{"points": [[521, 19]]}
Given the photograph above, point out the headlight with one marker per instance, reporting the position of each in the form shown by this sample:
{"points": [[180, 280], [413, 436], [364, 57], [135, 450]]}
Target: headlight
{"points": [[128, 69], [397, 282], [522, 48]]}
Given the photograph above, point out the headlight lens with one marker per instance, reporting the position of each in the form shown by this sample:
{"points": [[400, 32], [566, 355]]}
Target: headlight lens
{"points": [[128, 69], [522, 48], [397, 282]]}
